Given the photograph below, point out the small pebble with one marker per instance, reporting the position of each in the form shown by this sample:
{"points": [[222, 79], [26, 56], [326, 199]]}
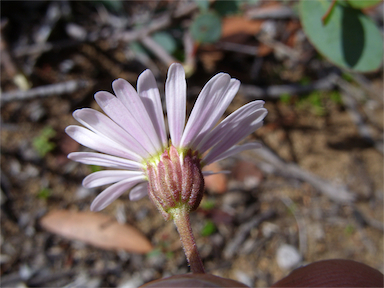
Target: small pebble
{"points": [[287, 257], [83, 192], [243, 278], [131, 282], [36, 111], [25, 272]]}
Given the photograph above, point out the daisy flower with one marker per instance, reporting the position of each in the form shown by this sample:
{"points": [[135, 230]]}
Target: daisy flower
{"points": [[132, 139]]}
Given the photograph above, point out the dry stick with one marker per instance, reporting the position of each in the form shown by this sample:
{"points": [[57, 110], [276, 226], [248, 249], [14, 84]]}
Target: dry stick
{"points": [[351, 105], [53, 14], [36, 49], [337, 193], [280, 48], [232, 247], [275, 91], [156, 25], [127, 36], [367, 86], [159, 51], [44, 91], [300, 224], [273, 12], [236, 47]]}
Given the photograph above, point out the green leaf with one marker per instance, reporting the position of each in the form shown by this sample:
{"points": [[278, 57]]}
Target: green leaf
{"points": [[285, 98], [207, 204], [361, 4], [208, 229], [44, 193], [166, 41], [206, 28], [111, 5], [350, 39], [226, 7], [42, 142], [94, 168], [203, 5], [336, 97]]}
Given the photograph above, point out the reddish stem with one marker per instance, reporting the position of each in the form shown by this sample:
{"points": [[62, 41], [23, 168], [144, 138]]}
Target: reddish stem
{"points": [[183, 225], [328, 12]]}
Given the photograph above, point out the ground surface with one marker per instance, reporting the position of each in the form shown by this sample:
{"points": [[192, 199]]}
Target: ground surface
{"points": [[239, 228]]}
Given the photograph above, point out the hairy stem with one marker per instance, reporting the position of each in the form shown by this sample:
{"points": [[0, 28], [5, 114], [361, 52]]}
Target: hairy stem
{"points": [[183, 225]]}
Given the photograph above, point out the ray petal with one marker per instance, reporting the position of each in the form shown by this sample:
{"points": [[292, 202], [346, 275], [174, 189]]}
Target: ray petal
{"points": [[149, 93], [92, 158], [105, 177], [176, 93], [102, 144], [132, 101], [113, 192]]}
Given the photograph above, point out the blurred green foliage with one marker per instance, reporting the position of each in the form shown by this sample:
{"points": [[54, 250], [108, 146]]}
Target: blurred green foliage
{"points": [[94, 168], [44, 193], [208, 229], [165, 40], [207, 204], [42, 143], [206, 27]]}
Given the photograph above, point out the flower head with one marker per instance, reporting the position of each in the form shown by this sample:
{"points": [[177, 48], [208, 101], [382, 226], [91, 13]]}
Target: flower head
{"points": [[133, 140]]}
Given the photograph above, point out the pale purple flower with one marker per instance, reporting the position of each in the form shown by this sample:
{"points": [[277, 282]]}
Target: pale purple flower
{"points": [[132, 137]]}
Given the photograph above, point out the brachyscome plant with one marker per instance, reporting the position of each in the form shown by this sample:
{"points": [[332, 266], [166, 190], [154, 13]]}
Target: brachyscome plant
{"points": [[133, 140]]}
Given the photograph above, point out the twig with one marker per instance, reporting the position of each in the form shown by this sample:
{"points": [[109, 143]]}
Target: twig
{"points": [[133, 35], [44, 91], [52, 15], [244, 230], [350, 96], [159, 51], [127, 36], [190, 52], [358, 119], [352, 90], [280, 48], [6, 59], [274, 12], [368, 87], [337, 193], [36, 49], [144, 59], [236, 47], [276, 91], [363, 219], [300, 224]]}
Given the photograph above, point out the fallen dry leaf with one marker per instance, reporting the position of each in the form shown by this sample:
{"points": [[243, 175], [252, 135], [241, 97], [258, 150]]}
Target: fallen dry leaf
{"points": [[216, 183], [96, 229], [235, 25]]}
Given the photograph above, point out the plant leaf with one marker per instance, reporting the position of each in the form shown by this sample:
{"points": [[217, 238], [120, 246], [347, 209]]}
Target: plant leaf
{"points": [[166, 41], [361, 4], [350, 39], [206, 28]]}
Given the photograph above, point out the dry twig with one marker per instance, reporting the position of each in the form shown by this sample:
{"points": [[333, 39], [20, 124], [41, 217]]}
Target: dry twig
{"points": [[45, 91], [274, 164], [276, 91], [159, 51], [232, 247]]}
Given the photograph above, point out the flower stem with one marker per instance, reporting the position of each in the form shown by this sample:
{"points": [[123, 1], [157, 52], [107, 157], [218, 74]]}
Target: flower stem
{"points": [[183, 225]]}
